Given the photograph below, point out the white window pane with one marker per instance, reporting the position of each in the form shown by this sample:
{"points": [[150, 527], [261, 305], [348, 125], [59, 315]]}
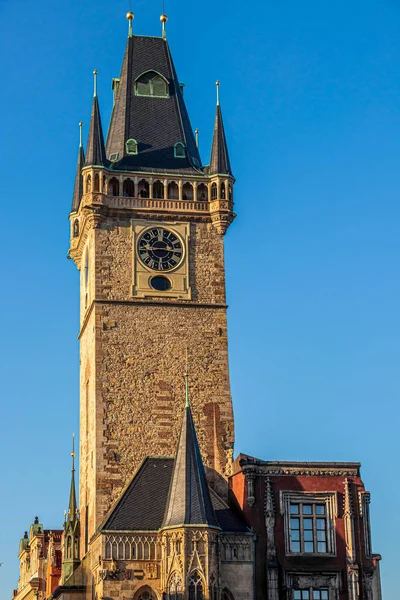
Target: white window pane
{"points": [[306, 595], [320, 509], [316, 595], [308, 535], [297, 595], [295, 523], [324, 595], [321, 546], [294, 509], [308, 523], [295, 535], [321, 536], [321, 523], [307, 509]]}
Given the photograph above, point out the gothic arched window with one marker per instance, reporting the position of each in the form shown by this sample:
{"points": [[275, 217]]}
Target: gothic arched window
{"points": [[214, 191], [158, 189], [145, 593], [195, 587], [69, 547], [96, 187], [151, 84], [76, 228], [173, 191], [131, 146], [179, 150], [88, 184], [223, 191], [175, 588], [187, 192], [227, 595]]}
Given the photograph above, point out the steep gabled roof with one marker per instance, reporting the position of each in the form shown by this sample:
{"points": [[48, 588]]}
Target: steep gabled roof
{"points": [[95, 151], [219, 162], [156, 123], [189, 501]]}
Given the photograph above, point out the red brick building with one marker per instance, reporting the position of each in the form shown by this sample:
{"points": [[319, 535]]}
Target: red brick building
{"points": [[312, 529]]}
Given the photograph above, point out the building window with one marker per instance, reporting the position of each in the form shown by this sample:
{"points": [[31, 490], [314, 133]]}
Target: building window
{"points": [[128, 188], [179, 150], [143, 189], [195, 587], [309, 522], [131, 147], [151, 84], [187, 191], [173, 191], [214, 191], [311, 594], [158, 189], [114, 187], [308, 527]]}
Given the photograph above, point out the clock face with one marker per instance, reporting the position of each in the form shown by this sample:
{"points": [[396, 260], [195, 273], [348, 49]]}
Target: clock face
{"points": [[160, 249]]}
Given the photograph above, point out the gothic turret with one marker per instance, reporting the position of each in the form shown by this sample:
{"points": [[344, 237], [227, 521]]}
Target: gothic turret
{"points": [[189, 501], [95, 152], [219, 163], [78, 187], [71, 529]]}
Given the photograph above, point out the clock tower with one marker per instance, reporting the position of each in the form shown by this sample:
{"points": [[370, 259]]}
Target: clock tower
{"points": [[147, 234]]}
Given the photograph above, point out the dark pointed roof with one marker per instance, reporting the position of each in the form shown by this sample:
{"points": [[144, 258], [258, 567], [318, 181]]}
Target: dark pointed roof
{"points": [[189, 501], [157, 124], [219, 163], [95, 151], [78, 187], [142, 504]]}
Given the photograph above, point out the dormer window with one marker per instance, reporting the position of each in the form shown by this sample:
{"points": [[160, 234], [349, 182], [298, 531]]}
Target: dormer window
{"points": [[131, 147], [151, 84], [179, 150]]}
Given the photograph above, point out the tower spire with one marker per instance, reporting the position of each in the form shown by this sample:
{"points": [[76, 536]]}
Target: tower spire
{"points": [[219, 163], [78, 187], [95, 151], [72, 494]]}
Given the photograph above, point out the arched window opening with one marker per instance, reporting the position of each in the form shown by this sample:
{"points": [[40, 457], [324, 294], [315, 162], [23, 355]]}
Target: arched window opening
{"points": [[114, 187], [151, 84], [128, 188], [131, 146], [158, 189], [173, 191], [143, 189], [76, 228], [88, 184], [108, 550], [96, 186], [179, 150], [214, 191], [145, 593], [187, 192], [223, 194], [69, 547], [202, 192], [127, 551], [195, 587], [175, 588], [227, 595]]}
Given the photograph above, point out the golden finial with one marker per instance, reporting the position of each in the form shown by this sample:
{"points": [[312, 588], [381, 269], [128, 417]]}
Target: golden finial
{"points": [[95, 82], [130, 16], [163, 20], [197, 138], [217, 83]]}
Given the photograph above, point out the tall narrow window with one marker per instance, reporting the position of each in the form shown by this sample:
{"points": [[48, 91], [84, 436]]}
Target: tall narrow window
{"points": [[129, 188], [114, 186], [173, 191], [131, 146], [202, 192], [69, 547], [143, 189], [308, 527], [151, 84], [195, 587], [187, 192], [311, 594], [179, 150], [96, 186], [175, 588], [88, 184], [214, 191], [76, 228], [158, 189]]}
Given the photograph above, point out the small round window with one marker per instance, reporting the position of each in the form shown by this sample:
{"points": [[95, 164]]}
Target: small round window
{"points": [[161, 284]]}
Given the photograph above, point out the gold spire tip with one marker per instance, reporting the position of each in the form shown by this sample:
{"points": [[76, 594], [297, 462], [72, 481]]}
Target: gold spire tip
{"points": [[163, 18], [130, 16]]}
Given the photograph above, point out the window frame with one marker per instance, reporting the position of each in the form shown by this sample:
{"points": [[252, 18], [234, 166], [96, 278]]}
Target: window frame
{"points": [[329, 499], [182, 147], [310, 591], [135, 85], [135, 151]]}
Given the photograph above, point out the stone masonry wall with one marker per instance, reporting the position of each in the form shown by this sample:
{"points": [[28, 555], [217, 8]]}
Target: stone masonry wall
{"points": [[133, 355]]}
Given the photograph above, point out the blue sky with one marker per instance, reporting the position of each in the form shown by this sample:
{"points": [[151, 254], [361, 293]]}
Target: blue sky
{"points": [[311, 101]]}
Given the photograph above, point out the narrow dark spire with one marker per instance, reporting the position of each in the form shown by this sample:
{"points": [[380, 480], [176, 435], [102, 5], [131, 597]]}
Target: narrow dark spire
{"points": [[189, 500], [219, 163], [78, 188], [95, 151], [72, 494]]}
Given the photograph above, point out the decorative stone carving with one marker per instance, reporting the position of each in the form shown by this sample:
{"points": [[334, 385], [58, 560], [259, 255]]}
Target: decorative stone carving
{"points": [[349, 523], [270, 522], [250, 478]]}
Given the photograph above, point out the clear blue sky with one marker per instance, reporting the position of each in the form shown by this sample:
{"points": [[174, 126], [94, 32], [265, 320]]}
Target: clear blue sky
{"points": [[311, 102]]}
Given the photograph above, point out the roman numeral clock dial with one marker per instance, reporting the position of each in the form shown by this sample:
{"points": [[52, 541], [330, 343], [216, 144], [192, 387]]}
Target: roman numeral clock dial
{"points": [[160, 249]]}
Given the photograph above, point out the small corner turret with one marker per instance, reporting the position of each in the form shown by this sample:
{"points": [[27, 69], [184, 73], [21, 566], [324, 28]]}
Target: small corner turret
{"points": [[71, 536]]}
